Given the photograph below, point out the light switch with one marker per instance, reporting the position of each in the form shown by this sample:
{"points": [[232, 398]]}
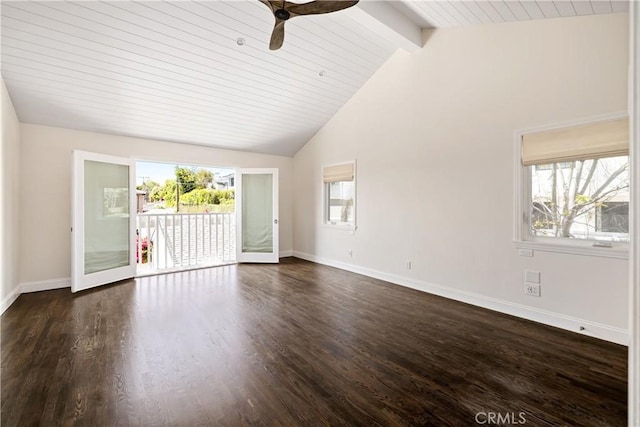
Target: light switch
{"points": [[525, 252]]}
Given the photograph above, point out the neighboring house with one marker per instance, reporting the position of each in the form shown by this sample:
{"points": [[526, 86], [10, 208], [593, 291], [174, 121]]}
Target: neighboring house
{"points": [[225, 182]]}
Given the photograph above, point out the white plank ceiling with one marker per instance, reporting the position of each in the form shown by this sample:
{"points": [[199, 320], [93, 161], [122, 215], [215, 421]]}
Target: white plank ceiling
{"points": [[174, 70], [442, 13]]}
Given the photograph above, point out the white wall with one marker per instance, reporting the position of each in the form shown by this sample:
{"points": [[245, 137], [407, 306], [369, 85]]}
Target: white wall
{"points": [[433, 135], [45, 189], [9, 217]]}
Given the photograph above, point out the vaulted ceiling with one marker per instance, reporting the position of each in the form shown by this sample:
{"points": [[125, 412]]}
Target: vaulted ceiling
{"points": [[202, 73]]}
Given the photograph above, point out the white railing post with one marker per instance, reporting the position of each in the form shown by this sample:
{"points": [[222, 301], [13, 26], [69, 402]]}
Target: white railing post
{"points": [[164, 228], [210, 237], [195, 239], [181, 239], [173, 228], [189, 240]]}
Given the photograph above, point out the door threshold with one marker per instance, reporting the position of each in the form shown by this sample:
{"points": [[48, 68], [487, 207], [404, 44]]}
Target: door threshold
{"points": [[182, 270]]}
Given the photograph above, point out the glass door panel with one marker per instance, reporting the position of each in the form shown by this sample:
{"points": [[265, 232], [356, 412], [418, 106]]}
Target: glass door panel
{"points": [[103, 221], [258, 215], [106, 215]]}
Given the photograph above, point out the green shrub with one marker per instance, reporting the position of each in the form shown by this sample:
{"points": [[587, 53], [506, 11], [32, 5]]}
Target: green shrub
{"points": [[208, 196]]}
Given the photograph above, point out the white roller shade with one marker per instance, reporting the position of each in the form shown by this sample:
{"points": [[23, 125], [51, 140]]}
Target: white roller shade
{"points": [[593, 140], [343, 172]]}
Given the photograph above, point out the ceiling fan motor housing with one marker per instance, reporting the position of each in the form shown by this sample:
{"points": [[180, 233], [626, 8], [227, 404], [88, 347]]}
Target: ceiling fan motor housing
{"points": [[282, 14]]}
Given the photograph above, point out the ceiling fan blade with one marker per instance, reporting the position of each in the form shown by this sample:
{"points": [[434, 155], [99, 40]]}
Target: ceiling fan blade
{"points": [[270, 4], [318, 6], [277, 36]]}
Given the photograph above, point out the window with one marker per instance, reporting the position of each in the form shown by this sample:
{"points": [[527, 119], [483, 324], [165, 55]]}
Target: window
{"points": [[574, 188], [577, 202], [340, 194]]}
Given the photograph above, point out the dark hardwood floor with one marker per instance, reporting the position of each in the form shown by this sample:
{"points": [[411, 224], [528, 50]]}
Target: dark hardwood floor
{"points": [[294, 344]]}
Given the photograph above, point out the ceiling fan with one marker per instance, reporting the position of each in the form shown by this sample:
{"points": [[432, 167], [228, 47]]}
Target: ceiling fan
{"points": [[283, 10]]}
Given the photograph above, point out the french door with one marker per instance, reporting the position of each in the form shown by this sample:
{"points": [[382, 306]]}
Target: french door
{"points": [[103, 224], [257, 215]]}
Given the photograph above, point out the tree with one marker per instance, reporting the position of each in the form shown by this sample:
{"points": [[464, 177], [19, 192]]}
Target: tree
{"points": [[156, 194], [204, 178], [186, 177], [194, 185], [168, 192], [151, 188], [577, 189]]}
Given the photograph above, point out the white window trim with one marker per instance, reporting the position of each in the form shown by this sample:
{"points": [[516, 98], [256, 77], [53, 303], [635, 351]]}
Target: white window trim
{"points": [[325, 199], [522, 195]]}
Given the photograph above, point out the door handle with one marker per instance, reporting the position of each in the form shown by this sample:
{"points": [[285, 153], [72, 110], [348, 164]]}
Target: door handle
{"points": [[275, 221]]}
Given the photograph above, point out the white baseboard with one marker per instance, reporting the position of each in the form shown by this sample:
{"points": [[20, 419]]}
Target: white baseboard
{"points": [[45, 285], [284, 254], [25, 288], [10, 299], [569, 323]]}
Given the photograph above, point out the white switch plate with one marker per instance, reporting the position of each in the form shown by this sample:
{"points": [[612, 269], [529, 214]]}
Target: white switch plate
{"points": [[532, 276], [525, 252]]}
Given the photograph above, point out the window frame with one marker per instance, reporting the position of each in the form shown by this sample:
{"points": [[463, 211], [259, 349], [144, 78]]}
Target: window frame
{"points": [[523, 239], [325, 198]]}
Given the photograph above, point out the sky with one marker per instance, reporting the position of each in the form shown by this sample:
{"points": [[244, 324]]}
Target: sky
{"points": [[160, 172]]}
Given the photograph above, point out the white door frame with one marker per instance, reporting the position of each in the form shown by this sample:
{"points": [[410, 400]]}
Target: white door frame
{"points": [[79, 280], [634, 256], [272, 257]]}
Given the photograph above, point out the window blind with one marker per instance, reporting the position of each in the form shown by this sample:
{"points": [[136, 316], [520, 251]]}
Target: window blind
{"points": [[343, 172], [593, 140]]}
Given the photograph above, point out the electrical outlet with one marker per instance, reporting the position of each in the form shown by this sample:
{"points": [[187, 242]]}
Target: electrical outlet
{"points": [[350, 253], [408, 264], [532, 289]]}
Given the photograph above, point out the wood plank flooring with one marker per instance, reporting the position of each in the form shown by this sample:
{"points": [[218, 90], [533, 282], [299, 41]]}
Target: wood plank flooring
{"points": [[294, 344]]}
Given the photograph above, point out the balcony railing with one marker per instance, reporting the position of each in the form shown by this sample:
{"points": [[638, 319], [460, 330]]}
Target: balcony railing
{"points": [[175, 241]]}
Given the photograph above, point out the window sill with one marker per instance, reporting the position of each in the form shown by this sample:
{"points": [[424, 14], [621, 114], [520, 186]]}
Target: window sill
{"points": [[343, 227], [619, 251]]}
